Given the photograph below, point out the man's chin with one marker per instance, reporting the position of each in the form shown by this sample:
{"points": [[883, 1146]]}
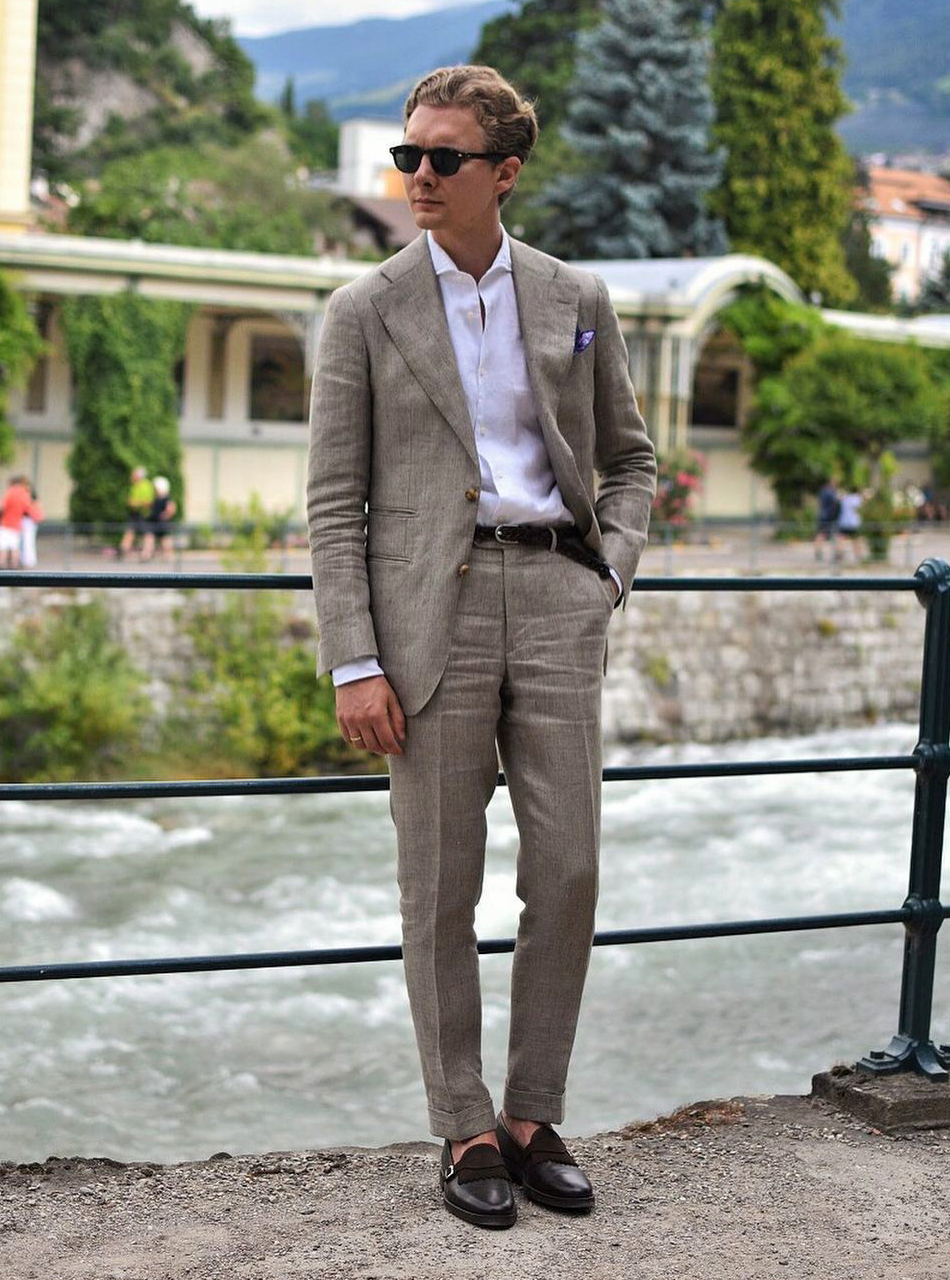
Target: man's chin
{"points": [[426, 215]]}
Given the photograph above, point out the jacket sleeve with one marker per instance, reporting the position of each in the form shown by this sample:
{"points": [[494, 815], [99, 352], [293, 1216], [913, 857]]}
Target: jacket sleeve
{"points": [[624, 456], [341, 409]]}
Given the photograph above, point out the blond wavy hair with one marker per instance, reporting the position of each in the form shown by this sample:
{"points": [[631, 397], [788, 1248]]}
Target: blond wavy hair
{"points": [[509, 121]]}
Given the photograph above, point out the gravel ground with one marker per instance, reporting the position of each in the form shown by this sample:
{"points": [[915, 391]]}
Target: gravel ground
{"points": [[740, 1190]]}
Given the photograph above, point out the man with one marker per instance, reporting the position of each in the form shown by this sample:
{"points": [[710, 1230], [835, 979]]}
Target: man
{"points": [[465, 571], [829, 509]]}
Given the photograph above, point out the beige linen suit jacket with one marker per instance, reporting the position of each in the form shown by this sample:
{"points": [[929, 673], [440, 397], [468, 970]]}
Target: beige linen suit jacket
{"points": [[394, 474]]}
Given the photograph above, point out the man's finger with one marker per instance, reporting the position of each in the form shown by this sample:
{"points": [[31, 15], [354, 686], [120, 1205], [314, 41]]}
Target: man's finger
{"points": [[396, 716], [371, 742], [384, 732]]}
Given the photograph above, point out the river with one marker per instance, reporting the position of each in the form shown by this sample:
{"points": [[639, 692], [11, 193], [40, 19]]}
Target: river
{"points": [[177, 1067]]}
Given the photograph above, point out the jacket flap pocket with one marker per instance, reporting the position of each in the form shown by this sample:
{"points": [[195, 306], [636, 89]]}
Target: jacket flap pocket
{"points": [[387, 535]]}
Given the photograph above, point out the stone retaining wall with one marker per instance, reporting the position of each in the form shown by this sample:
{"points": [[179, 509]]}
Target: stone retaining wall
{"points": [[684, 666]]}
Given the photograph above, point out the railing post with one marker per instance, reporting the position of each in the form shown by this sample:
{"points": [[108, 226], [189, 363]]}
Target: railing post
{"points": [[912, 1048]]}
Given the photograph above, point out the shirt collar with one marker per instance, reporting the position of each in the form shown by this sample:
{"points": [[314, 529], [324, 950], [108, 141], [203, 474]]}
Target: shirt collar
{"points": [[443, 264]]}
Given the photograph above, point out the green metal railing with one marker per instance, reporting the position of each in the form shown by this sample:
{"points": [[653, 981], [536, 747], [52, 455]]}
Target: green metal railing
{"points": [[921, 913]]}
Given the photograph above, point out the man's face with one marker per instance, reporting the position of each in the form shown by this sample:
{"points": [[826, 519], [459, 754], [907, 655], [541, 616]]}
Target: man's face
{"points": [[468, 199]]}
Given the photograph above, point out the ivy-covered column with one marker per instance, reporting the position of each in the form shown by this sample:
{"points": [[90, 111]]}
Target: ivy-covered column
{"points": [[20, 346], [122, 350]]}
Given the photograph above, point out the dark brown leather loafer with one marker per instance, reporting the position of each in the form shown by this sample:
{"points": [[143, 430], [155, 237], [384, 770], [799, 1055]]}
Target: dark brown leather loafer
{"points": [[547, 1170], [478, 1188]]}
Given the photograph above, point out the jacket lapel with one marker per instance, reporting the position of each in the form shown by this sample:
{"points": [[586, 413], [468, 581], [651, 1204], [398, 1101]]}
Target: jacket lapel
{"points": [[410, 307], [547, 307]]}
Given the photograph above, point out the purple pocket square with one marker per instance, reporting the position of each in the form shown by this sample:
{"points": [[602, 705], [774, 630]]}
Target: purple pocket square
{"points": [[583, 340]]}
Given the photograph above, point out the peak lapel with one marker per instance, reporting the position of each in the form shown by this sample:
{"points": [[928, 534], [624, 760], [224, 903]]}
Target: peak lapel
{"points": [[412, 311], [547, 307]]}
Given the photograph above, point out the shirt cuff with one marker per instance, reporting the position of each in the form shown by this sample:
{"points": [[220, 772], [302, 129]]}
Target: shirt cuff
{"points": [[616, 577], [358, 669]]}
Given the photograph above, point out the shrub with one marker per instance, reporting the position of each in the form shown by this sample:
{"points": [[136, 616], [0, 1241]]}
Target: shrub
{"points": [[71, 702], [679, 479], [256, 705]]}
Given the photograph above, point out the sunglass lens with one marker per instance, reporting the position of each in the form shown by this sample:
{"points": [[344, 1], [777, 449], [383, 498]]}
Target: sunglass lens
{"points": [[408, 159], [445, 161]]}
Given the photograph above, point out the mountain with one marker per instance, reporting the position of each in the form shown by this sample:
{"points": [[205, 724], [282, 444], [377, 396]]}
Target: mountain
{"points": [[897, 73], [367, 67]]}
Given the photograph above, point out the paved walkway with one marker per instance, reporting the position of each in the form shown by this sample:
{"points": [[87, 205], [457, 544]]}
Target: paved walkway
{"points": [[763, 1189]]}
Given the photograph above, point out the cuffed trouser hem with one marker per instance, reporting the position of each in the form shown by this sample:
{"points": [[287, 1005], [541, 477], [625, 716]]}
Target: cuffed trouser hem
{"points": [[546, 1108], [459, 1125]]}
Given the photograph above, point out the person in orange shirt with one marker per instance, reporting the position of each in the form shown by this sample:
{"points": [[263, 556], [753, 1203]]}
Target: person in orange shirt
{"points": [[18, 502]]}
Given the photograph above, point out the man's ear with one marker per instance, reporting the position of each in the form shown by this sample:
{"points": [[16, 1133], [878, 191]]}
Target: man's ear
{"points": [[508, 172]]}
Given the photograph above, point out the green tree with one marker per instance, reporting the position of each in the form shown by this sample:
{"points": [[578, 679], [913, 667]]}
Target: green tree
{"points": [[133, 40], [287, 102], [246, 197], [770, 328], [786, 189], [20, 347], [871, 275], [315, 136], [536, 48], [122, 350], [640, 115], [838, 402], [935, 294]]}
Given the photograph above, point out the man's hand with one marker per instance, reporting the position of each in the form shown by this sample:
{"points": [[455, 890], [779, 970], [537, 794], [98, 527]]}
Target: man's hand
{"points": [[369, 715]]}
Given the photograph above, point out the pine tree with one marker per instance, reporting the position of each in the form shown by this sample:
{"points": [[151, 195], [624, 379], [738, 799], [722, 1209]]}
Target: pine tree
{"points": [[287, 102], [786, 191], [639, 118]]}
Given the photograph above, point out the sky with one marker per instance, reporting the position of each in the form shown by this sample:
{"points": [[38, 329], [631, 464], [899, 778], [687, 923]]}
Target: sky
{"points": [[264, 17]]}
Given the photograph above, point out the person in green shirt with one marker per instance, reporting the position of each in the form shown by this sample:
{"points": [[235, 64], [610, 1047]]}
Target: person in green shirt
{"points": [[139, 502]]}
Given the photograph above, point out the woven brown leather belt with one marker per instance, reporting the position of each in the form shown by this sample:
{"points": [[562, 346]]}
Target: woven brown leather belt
{"points": [[565, 539]]}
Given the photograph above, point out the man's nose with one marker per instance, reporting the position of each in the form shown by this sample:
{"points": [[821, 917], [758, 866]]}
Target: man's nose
{"points": [[425, 173]]}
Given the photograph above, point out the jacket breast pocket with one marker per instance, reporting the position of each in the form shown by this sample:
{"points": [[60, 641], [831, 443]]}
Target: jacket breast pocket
{"points": [[387, 534]]}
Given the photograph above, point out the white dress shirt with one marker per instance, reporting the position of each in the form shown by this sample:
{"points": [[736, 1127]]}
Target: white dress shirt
{"points": [[517, 482]]}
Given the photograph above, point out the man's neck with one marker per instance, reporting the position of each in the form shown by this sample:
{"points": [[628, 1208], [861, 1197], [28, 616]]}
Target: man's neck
{"points": [[472, 254]]}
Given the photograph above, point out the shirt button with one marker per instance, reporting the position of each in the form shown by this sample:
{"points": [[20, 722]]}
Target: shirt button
{"points": [[471, 495], [463, 570]]}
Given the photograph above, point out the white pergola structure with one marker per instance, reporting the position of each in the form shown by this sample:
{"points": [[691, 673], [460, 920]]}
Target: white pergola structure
{"points": [[693, 381]]}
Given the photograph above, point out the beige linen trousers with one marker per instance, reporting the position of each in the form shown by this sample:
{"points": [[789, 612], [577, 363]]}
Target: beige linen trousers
{"points": [[494, 652]]}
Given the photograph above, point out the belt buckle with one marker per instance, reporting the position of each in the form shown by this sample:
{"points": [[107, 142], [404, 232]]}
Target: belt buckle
{"points": [[500, 533]]}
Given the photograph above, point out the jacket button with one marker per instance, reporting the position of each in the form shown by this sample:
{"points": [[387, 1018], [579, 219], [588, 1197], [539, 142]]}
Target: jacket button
{"points": [[471, 495], [463, 570]]}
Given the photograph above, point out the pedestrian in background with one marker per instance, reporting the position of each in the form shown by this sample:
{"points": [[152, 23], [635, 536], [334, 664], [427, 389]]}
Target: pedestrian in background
{"points": [[160, 515], [139, 503], [17, 501], [31, 518], [829, 509], [849, 524]]}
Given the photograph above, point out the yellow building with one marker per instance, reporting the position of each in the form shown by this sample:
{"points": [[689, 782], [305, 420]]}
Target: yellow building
{"points": [[244, 381]]}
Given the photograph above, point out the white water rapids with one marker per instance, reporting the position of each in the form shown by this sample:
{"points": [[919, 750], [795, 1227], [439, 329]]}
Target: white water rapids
{"points": [[177, 1067]]}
